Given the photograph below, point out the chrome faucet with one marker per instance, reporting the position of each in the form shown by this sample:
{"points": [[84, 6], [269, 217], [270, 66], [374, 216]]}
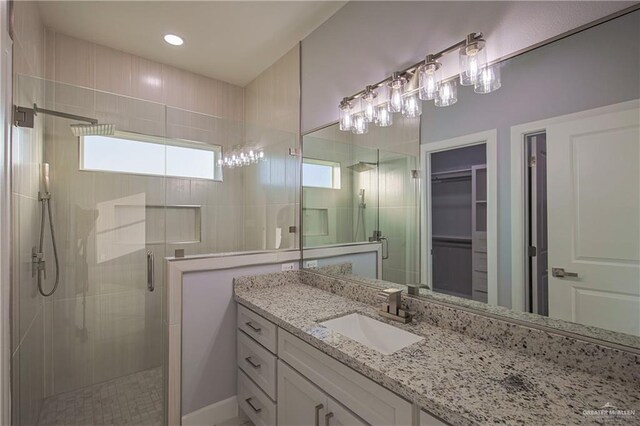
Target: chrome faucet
{"points": [[392, 306]]}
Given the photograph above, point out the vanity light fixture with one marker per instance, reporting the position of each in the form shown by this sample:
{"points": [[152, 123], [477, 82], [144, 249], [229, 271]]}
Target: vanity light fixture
{"points": [[371, 106], [396, 85], [429, 78], [473, 57], [173, 39], [368, 104], [345, 108]]}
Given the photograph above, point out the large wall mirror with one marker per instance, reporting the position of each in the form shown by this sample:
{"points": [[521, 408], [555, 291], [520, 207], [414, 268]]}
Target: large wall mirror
{"points": [[523, 203]]}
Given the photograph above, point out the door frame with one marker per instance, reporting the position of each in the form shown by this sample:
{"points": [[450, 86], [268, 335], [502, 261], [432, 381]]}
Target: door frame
{"points": [[519, 191], [490, 139]]}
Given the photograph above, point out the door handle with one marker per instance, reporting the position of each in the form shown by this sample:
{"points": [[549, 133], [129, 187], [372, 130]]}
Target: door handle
{"points": [[151, 274], [318, 408], [327, 417], [385, 243], [561, 273]]}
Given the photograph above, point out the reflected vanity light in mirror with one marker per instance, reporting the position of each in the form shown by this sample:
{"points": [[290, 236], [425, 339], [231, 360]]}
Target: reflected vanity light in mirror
{"points": [[384, 116], [447, 94], [412, 106], [488, 80], [360, 125]]}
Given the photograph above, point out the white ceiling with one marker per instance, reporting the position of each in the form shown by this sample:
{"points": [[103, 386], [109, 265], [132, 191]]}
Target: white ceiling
{"points": [[226, 40]]}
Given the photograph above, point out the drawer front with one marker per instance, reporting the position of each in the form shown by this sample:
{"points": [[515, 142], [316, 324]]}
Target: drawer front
{"points": [[258, 363], [427, 419], [373, 403], [255, 403], [258, 328]]}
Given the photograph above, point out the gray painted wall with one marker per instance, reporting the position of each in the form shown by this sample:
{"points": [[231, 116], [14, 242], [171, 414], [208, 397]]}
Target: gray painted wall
{"points": [[209, 335], [365, 42], [594, 68]]}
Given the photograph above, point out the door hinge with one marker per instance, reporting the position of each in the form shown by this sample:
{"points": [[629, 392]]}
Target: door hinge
{"points": [[532, 251], [532, 161]]}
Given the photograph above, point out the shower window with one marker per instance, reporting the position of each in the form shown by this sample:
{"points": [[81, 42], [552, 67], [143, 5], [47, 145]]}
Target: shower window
{"points": [[320, 174], [147, 155]]}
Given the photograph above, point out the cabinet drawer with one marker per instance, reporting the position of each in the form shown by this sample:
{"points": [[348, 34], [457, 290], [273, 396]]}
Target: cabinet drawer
{"points": [[258, 363], [255, 403], [427, 419], [373, 403], [260, 329]]}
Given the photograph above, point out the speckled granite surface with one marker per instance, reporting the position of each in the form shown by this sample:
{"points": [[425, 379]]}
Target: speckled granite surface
{"points": [[539, 320], [460, 378]]}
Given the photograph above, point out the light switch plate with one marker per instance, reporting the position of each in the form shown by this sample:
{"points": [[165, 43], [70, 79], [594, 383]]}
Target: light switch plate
{"points": [[311, 264]]}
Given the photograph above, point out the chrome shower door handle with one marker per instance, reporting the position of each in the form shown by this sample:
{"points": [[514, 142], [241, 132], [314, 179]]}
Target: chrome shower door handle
{"points": [[385, 243], [151, 275]]}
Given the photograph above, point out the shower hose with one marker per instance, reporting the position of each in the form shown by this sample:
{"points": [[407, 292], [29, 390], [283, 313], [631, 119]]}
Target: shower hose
{"points": [[46, 205]]}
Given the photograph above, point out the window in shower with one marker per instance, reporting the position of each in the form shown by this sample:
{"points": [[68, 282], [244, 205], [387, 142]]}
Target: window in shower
{"points": [[320, 173], [148, 155]]}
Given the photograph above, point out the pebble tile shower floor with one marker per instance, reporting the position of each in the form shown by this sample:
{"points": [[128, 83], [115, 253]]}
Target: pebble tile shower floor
{"points": [[135, 399]]}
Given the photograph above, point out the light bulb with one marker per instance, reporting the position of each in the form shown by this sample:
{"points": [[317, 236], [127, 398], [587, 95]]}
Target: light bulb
{"points": [[488, 79], [428, 77], [384, 116], [473, 58], [412, 107], [368, 104], [397, 90], [447, 93], [360, 125], [345, 108]]}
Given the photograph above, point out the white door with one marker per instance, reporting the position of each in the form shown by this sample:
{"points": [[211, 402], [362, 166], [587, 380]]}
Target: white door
{"points": [[300, 403], [594, 220]]}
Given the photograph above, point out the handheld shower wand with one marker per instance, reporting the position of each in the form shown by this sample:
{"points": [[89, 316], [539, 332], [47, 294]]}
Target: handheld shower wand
{"points": [[38, 257]]}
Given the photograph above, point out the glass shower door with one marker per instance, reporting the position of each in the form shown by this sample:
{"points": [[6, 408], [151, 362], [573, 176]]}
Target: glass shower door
{"points": [[103, 328]]}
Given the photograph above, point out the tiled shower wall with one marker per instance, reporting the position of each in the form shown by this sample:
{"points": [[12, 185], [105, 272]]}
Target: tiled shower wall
{"points": [[27, 362], [102, 322], [271, 189]]}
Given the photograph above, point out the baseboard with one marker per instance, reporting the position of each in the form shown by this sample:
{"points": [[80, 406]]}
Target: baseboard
{"points": [[212, 414]]}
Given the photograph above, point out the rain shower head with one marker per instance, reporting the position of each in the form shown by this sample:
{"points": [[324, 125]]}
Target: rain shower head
{"points": [[362, 166], [93, 129]]}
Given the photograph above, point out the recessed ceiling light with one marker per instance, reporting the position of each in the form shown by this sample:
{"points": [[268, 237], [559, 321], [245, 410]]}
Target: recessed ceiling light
{"points": [[173, 39]]}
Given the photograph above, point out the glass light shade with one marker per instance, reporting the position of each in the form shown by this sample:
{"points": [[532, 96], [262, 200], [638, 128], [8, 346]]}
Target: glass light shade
{"points": [[396, 86], [346, 120], [447, 93], [472, 59], [488, 80], [368, 105], [360, 125], [428, 78], [384, 115], [412, 106]]}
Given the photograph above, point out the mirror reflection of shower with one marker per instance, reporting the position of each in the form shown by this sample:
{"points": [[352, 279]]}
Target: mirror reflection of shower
{"points": [[25, 118], [359, 167]]}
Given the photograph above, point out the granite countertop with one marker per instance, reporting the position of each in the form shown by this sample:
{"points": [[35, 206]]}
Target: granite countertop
{"points": [[454, 376]]}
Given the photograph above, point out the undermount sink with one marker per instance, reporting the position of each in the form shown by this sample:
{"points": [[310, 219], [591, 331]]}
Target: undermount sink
{"points": [[374, 334]]}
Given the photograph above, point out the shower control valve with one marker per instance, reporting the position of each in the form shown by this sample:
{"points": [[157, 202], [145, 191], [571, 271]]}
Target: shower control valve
{"points": [[38, 262]]}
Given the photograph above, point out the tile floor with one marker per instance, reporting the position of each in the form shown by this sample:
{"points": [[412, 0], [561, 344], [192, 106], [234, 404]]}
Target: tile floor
{"points": [[134, 400]]}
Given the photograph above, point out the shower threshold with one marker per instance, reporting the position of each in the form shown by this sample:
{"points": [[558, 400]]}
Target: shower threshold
{"points": [[135, 399]]}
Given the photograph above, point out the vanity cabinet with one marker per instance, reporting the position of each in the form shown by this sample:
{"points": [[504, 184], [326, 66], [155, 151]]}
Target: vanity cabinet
{"points": [[284, 381], [300, 402]]}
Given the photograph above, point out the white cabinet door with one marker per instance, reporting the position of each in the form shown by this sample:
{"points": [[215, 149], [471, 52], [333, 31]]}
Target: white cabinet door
{"points": [[300, 403], [593, 176], [337, 415]]}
